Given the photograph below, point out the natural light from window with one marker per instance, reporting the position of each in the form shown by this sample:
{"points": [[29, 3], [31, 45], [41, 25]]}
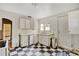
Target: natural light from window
{"points": [[45, 27], [42, 27]]}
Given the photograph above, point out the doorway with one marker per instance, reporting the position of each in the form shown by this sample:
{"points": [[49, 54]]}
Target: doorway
{"points": [[7, 31]]}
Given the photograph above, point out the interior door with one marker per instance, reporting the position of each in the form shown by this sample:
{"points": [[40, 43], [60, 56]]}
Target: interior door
{"points": [[7, 31], [64, 37]]}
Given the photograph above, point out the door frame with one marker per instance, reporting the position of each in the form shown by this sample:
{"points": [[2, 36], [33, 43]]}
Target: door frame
{"points": [[3, 19]]}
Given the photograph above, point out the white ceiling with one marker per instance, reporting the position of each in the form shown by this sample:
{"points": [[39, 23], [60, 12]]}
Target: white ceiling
{"points": [[38, 10]]}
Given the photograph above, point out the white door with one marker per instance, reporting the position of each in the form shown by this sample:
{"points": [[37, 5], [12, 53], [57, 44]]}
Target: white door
{"points": [[64, 36]]}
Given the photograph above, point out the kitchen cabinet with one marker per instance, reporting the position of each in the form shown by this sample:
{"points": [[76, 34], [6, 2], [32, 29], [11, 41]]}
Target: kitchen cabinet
{"points": [[24, 40], [26, 23], [28, 39], [33, 39], [44, 39]]}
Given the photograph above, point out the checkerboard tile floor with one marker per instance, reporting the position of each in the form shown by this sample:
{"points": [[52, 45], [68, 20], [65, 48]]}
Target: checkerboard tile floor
{"points": [[37, 50]]}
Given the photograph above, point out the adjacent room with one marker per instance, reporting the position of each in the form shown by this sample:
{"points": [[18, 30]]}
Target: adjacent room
{"points": [[39, 29]]}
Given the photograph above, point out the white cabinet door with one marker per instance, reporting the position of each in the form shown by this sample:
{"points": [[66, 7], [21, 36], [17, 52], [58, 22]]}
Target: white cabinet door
{"points": [[35, 38], [22, 23], [24, 40], [44, 40], [25, 23], [31, 39], [73, 18]]}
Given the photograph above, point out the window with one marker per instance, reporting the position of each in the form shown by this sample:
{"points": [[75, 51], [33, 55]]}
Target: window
{"points": [[42, 27], [47, 27]]}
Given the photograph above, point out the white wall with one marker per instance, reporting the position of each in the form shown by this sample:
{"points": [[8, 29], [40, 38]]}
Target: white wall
{"points": [[12, 17], [63, 32], [59, 23], [15, 27]]}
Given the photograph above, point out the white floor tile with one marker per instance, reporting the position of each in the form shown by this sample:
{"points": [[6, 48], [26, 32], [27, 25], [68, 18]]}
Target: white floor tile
{"points": [[13, 53], [18, 48], [21, 53]]}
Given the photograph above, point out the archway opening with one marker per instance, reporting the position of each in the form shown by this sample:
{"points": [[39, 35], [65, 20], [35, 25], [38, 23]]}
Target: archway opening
{"points": [[7, 31]]}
